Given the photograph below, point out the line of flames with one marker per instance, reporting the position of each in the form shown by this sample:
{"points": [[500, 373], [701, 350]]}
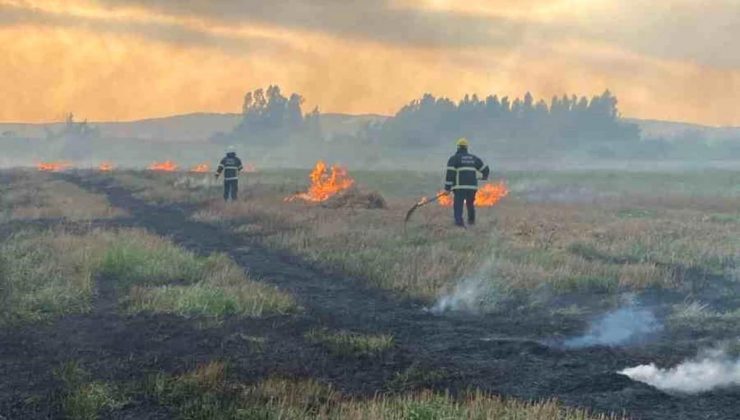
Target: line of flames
{"points": [[325, 183], [166, 166], [57, 166], [106, 167], [201, 168]]}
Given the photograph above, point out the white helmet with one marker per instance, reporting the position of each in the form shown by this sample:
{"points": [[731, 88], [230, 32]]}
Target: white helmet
{"points": [[230, 148]]}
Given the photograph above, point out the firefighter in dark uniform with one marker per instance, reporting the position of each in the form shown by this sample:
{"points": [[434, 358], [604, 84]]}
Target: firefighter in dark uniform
{"points": [[462, 179], [230, 166]]}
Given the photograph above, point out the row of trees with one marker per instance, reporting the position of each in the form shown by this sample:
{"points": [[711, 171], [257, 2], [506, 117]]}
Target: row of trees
{"points": [[565, 123]]}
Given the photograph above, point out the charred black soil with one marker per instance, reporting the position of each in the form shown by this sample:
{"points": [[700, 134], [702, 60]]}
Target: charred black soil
{"points": [[502, 353]]}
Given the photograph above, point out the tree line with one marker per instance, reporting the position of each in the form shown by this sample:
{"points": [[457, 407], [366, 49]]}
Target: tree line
{"points": [[270, 117]]}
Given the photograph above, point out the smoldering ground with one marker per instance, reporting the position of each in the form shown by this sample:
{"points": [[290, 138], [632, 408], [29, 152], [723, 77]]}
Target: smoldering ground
{"points": [[629, 324]]}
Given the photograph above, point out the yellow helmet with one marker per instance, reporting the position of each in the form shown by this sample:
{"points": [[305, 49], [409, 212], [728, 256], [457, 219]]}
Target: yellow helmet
{"points": [[462, 142]]}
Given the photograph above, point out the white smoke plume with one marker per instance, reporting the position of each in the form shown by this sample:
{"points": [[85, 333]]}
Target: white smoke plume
{"points": [[618, 327], [470, 295], [711, 369]]}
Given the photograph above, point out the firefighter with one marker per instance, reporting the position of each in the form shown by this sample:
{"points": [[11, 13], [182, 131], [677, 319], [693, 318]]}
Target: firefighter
{"points": [[462, 179], [230, 166]]}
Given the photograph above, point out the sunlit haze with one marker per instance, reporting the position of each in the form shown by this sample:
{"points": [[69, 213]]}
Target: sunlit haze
{"points": [[120, 60]]}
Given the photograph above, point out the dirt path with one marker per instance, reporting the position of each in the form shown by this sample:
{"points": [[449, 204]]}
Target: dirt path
{"points": [[496, 353]]}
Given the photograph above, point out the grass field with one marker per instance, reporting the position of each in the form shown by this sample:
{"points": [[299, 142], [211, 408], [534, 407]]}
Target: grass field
{"points": [[556, 233], [570, 245]]}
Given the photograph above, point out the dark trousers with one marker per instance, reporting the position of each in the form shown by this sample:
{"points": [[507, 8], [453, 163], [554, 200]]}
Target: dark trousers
{"points": [[231, 189], [466, 197]]}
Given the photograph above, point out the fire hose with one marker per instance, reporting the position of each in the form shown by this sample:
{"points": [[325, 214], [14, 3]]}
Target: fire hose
{"points": [[422, 203]]}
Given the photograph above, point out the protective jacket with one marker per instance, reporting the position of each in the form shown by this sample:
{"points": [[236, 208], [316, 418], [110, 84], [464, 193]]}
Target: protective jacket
{"points": [[230, 166], [462, 169]]}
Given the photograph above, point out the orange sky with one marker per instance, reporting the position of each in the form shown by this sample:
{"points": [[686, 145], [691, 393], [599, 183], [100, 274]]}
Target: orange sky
{"points": [[121, 60]]}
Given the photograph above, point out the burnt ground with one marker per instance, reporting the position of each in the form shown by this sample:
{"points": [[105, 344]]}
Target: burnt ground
{"points": [[500, 353]]}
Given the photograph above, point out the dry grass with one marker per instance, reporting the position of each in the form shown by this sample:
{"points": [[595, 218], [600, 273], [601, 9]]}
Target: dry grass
{"points": [[365, 243], [599, 232], [32, 195], [207, 393], [564, 247]]}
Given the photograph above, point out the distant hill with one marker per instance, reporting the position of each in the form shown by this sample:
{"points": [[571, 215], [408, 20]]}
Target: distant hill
{"points": [[183, 128], [200, 126], [669, 130]]}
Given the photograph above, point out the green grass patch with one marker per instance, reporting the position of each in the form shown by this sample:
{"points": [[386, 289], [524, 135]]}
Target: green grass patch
{"points": [[44, 275], [137, 257], [48, 274], [83, 399], [345, 343], [204, 299]]}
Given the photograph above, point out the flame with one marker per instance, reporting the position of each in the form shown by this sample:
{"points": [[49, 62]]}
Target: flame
{"points": [[445, 200], [53, 166], [250, 169], [325, 183], [488, 195], [105, 167], [201, 168], [166, 166]]}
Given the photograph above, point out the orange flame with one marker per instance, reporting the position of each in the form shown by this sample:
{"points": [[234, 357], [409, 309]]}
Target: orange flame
{"points": [[105, 167], [325, 184], [201, 168], [53, 166], [166, 166], [488, 195], [250, 169]]}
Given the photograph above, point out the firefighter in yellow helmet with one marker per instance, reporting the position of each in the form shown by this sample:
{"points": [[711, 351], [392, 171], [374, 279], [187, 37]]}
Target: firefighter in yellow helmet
{"points": [[230, 165], [462, 179]]}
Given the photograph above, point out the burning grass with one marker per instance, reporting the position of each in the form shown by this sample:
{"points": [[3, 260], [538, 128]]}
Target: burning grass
{"points": [[37, 196], [207, 392], [325, 183], [59, 166], [48, 274], [165, 166], [488, 195]]}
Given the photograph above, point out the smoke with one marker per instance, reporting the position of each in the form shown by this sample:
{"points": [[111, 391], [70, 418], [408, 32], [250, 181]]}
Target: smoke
{"points": [[621, 326], [709, 370], [471, 294], [195, 182]]}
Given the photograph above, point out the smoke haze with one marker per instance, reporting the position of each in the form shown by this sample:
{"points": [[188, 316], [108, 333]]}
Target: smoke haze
{"points": [[471, 294], [622, 326]]}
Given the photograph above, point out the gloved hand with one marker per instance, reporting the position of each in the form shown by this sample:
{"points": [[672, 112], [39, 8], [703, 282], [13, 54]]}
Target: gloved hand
{"points": [[216, 175], [448, 188], [485, 178]]}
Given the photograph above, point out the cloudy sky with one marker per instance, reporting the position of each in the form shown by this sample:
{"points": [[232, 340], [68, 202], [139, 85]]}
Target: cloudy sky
{"points": [[128, 59]]}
